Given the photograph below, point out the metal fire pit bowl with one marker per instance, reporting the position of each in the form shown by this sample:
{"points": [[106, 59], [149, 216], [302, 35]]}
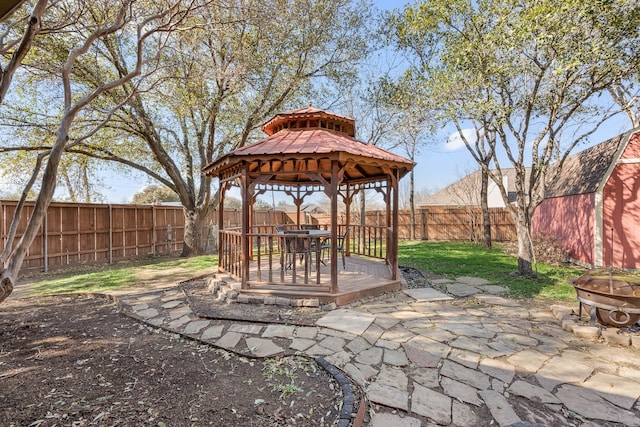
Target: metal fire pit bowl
{"points": [[613, 295]]}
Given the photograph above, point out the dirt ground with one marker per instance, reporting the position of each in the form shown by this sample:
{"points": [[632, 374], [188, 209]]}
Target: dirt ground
{"points": [[77, 361]]}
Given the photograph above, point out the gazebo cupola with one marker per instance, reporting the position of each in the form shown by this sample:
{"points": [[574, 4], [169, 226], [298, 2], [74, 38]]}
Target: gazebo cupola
{"points": [[310, 118], [309, 151]]}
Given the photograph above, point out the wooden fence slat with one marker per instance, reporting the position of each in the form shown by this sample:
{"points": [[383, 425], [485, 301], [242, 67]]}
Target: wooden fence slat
{"points": [[99, 233]]}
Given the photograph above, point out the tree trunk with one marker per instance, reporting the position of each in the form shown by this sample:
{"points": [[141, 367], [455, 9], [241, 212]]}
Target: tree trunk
{"points": [[193, 226], [484, 204], [11, 268], [525, 245]]}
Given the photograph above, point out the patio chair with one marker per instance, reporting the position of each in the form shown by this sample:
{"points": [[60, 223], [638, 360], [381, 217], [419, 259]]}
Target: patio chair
{"points": [[341, 243], [309, 227], [294, 246]]}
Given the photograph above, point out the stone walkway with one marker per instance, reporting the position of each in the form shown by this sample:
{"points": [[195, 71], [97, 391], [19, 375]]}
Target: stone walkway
{"points": [[426, 358]]}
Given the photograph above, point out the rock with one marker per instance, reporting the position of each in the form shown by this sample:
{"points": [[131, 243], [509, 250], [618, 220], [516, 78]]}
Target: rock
{"points": [[431, 404]]}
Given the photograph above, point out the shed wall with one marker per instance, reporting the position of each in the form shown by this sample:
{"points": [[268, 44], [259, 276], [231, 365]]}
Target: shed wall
{"points": [[621, 216], [570, 220]]}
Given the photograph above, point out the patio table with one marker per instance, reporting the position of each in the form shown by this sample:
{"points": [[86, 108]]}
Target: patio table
{"points": [[312, 243]]}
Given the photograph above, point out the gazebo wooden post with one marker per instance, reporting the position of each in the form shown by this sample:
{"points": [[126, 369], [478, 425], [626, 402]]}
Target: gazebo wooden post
{"points": [[244, 233], [252, 200], [221, 194], [333, 194], [387, 217], [298, 202], [395, 229], [347, 204]]}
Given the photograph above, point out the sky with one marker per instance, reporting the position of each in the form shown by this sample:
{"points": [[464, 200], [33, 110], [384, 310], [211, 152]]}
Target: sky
{"points": [[438, 164]]}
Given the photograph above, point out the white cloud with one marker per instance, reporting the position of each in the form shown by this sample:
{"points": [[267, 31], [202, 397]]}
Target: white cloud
{"points": [[455, 141]]}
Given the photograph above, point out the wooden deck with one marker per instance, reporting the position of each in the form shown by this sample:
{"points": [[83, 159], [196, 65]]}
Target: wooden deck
{"points": [[362, 278]]}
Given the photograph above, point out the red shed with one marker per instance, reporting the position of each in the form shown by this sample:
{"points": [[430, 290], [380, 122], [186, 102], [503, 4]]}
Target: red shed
{"points": [[593, 207]]}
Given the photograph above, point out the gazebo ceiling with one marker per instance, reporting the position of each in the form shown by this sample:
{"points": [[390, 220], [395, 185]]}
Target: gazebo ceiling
{"points": [[303, 143]]}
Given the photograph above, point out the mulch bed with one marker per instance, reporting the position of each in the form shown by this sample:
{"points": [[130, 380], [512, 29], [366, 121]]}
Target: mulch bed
{"points": [[76, 361]]}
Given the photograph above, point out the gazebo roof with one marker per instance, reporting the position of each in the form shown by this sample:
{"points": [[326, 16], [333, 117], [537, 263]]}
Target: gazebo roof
{"points": [[317, 137]]}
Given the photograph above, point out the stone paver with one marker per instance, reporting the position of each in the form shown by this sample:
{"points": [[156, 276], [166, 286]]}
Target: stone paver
{"points": [[212, 332], [467, 376], [351, 321], [468, 280], [388, 396], [532, 392], [462, 289], [589, 404], [229, 340], [261, 347], [147, 313], [560, 370], [427, 294], [195, 327], [282, 331], [245, 329], [431, 404], [301, 344], [621, 391], [460, 391], [385, 419], [500, 409], [448, 364], [498, 368]]}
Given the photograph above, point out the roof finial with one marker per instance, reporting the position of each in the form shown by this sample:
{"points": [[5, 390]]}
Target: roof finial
{"points": [[309, 104]]}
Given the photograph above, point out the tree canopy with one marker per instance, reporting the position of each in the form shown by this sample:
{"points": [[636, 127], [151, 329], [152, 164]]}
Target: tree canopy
{"points": [[231, 67], [525, 74]]}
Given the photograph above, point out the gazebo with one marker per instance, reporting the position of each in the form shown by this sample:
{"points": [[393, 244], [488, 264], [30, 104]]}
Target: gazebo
{"points": [[309, 151]]}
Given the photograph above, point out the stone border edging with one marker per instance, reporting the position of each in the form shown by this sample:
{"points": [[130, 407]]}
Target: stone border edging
{"points": [[348, 398], [570, 322]]}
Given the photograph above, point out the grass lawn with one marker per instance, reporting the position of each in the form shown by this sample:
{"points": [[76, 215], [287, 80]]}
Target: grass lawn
{"points": [[451, 259], [117, 276], [455, 259]]}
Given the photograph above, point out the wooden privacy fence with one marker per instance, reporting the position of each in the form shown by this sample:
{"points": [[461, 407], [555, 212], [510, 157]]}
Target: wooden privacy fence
{"points": [[463, 223], [441, 223], [76, 234]]}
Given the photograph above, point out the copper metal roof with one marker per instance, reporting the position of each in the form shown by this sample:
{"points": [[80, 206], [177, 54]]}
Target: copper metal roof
{"points": [[305, 137], [309, 115]]}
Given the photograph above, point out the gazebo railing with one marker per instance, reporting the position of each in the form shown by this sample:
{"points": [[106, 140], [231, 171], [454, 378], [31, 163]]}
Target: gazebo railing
{"points": [[368, 240], [230, 251], [273, 260], [294, 259]]}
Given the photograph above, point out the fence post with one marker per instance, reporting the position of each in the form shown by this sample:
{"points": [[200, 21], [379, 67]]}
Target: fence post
{"points": [[153, 229], [110, 234], [45, 241]]}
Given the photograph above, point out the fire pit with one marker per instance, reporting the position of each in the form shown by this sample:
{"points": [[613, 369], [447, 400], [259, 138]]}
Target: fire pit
{"points": [[613, 295]]}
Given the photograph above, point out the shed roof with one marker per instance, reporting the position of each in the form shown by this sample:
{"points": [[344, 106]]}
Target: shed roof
{"points": [[584, 171]]}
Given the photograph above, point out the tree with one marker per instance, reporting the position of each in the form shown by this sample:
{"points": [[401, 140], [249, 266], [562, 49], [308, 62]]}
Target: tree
{"points": [[146, 26], [410, 136], [627, 95], [154, 194], [22, 46], [217, 84], [527, 73]]}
